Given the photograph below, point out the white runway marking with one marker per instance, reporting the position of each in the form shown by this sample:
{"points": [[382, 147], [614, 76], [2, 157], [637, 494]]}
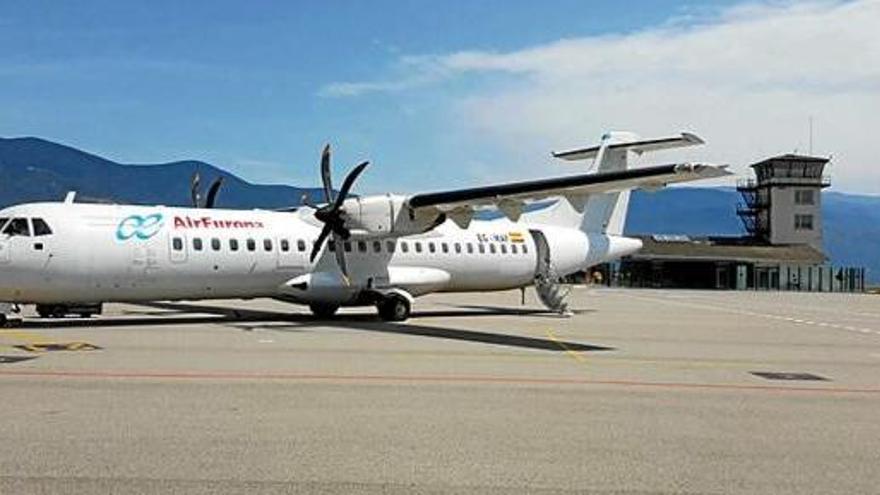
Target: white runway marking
{"points": [[790, 319]]}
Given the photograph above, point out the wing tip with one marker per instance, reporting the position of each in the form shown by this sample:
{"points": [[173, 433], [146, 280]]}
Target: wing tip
{"points": [[705, 170]]}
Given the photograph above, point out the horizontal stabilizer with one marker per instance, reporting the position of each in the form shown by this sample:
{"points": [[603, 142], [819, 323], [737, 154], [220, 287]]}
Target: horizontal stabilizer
{"points": [[638, 147]]}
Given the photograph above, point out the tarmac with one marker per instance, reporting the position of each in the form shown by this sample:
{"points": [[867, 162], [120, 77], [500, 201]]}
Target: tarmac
{"points": [[640, 392]]}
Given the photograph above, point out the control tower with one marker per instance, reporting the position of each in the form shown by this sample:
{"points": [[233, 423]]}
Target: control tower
{"points": [[783, 204]]}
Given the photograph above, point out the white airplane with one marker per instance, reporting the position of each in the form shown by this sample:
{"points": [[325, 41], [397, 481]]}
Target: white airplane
{"points": [[381, 250]]}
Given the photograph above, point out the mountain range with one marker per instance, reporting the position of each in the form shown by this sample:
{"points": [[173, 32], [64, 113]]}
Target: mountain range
{"points": [[35, 169]]}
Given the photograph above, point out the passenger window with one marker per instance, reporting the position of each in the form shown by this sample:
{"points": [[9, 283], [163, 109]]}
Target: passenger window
{"points": [[481, 247], [492, 248], [18, 226], [431, 247], [470, 248], [215, 244], [404, 246], [377, 247], [251, 245], [525, 249], [177, 244], [233, 244], [504, 249], [457, 248], [389, 246], [267, 244], [285, 245], [300, 245], [513, 248], [362, 247], [444, 247], [40, 227], [197, 243], [418, 247], [347, 246]]}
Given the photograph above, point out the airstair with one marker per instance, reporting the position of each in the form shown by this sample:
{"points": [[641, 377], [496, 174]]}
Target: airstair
{"points": [[551, 291]]}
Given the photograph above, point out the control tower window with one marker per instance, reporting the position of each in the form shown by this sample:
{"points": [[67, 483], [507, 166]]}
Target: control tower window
{"points": [[804, 197], [18, 226], [803, 222]]}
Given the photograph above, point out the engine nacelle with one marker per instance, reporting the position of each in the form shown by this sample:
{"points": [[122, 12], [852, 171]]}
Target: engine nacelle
{"points": [[386, 215]]}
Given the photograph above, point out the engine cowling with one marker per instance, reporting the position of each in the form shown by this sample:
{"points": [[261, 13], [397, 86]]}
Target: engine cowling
{"points": [[387, 215]]}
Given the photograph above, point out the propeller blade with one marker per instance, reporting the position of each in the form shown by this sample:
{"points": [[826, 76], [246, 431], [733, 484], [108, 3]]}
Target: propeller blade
{"points": [[325, 174], [212, 192], [194, 189], [349, 181], [340, 257], [331, 213], [316, 247]]}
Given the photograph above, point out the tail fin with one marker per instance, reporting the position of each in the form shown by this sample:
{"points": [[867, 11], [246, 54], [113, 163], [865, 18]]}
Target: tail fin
{"points": [[605, 213]]}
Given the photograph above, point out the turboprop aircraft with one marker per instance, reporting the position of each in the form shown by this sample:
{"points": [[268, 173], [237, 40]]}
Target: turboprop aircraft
{"points": [[382, 250]]}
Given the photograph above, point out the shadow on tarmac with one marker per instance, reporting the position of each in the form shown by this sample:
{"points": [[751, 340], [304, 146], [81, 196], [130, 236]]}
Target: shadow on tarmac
{"points": [[363, 322]]}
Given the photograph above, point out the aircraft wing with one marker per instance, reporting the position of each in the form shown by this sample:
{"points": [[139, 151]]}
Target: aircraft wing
{"points": [[512, 195]]}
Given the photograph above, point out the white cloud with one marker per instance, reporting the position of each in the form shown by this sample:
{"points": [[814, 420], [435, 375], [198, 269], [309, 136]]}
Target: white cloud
{"points": [[747, 80]]}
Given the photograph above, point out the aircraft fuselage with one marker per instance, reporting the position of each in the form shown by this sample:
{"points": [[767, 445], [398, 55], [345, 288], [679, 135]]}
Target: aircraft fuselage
{"points": [[134, 253]]}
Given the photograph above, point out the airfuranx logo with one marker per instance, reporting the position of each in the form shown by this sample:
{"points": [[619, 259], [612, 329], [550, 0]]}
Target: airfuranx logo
{"points": [[139, 227]]}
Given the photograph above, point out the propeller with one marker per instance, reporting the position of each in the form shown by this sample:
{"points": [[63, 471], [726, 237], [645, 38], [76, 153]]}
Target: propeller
{"points": [[331, 214], [194, 189], [196, 196], [211, 198]]}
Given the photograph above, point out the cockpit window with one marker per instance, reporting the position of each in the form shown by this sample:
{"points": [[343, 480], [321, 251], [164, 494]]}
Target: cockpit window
{"points": [[41, 227], [3, 221], [18, 226]]}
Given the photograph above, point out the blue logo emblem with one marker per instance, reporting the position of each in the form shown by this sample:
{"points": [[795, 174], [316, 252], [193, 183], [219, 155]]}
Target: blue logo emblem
{"points": [[139, 226]]}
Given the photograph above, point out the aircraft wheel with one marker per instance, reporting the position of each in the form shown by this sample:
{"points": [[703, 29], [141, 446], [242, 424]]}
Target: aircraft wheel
{"points": [[394, 308], [47, 310], [324, 310]]}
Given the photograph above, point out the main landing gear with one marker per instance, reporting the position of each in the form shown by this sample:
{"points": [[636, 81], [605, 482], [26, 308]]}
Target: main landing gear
{"points": [[392, 306], [84, 310]]}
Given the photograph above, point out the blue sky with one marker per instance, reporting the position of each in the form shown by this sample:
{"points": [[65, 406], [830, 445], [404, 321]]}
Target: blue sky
{"points": [[436, 94]]}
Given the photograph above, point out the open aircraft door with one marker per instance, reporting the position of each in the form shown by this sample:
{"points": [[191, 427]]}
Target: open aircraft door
{"points": [[542, 258]]}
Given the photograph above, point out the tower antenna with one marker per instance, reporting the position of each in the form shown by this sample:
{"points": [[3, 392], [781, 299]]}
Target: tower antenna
{"points": [[811, 135]]}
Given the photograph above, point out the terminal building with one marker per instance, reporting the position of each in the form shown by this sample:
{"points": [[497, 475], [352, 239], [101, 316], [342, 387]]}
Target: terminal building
{"points": [[781, 211]]}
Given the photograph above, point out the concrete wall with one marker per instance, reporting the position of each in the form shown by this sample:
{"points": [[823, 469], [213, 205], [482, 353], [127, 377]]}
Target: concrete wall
{"points": [[782, 217]]}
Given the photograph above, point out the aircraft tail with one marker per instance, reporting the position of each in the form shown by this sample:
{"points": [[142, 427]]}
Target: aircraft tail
{"points": [[605, 212]]}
